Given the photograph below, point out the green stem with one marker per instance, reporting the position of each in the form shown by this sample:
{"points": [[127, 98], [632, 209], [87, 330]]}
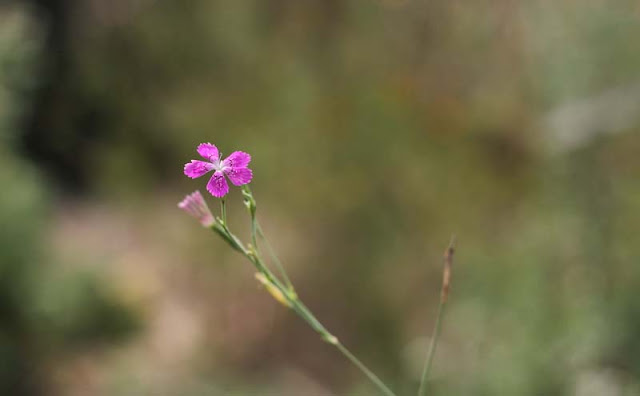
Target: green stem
{"points": [[273, 256], [303, 312], [234, 242], [223, 208], [444, 295], [256, 231], [306, 314], [422, 391], [383, 388]]}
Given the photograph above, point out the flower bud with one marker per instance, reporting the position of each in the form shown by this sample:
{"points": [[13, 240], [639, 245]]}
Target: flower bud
{"points": [[195, 205]]}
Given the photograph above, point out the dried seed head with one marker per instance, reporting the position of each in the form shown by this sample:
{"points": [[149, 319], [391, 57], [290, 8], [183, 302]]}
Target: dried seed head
{"points": [[446, 273]]}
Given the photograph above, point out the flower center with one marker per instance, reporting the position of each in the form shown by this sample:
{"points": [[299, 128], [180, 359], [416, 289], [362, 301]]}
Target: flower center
{"points": [[217, 165]]}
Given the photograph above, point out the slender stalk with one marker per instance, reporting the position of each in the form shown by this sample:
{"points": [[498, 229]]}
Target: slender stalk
{"points": [[277, 288], [383, 388], [273, 256], [432, 351], [444, 295], [256, 231], [303, 312], [306, 314], [223, 210]]}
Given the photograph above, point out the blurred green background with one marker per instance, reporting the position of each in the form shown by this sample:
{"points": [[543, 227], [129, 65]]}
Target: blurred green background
{"points": [[377, 128]]}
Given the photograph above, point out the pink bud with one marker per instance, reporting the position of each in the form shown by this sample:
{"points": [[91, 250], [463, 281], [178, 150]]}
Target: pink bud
{"points": [[195, 205]]}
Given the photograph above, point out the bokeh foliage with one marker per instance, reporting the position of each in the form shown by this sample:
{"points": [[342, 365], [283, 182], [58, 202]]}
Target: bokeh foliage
{"points": [[45, 310], [377, 128]]}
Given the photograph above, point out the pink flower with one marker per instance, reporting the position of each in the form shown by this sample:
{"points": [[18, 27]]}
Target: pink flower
{"points": [[234, 167], [195, 205]]}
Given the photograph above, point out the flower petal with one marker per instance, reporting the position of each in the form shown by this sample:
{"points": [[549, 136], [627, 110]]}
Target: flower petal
{"points": [[209, 152], [218, 186], [197, 168], [237, 159], [239, 176]]}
